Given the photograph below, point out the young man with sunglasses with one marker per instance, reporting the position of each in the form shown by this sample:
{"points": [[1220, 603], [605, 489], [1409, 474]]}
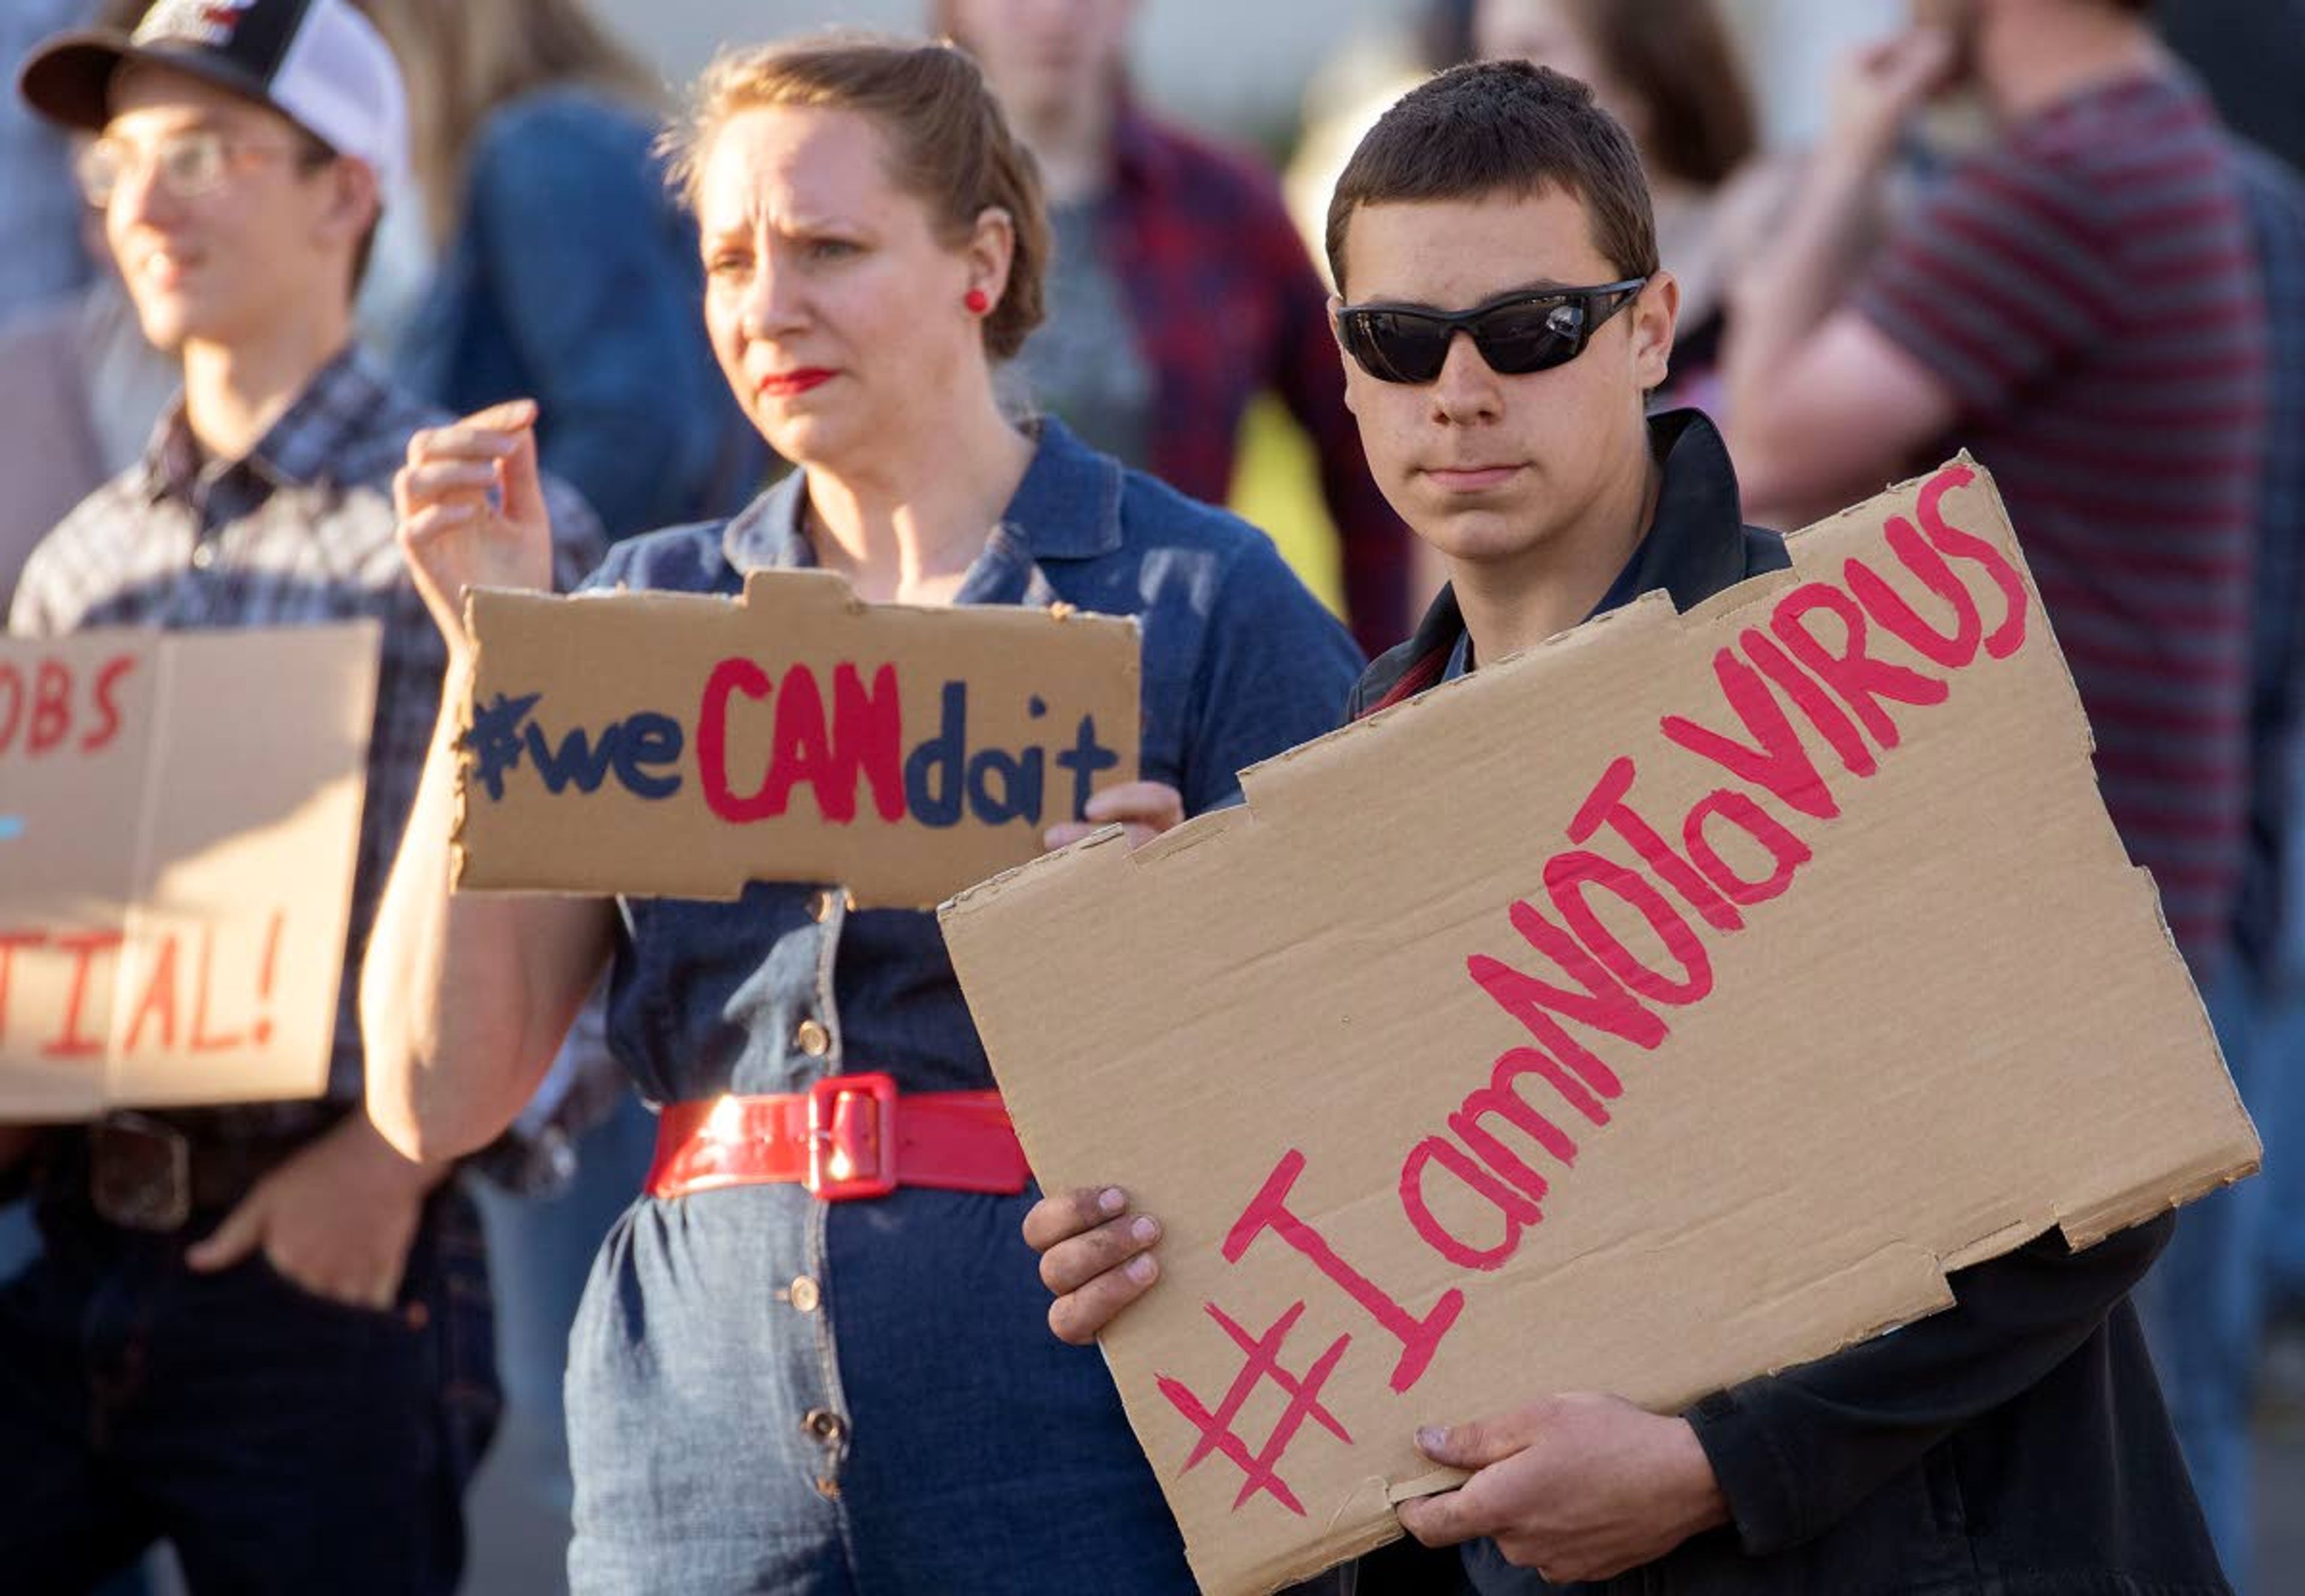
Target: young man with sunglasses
{"points": [[257, 1332], [1502, 318]]}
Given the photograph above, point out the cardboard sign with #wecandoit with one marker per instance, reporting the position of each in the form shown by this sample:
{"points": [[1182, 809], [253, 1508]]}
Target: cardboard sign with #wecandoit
{"points": [[680, 746], [179, 823], [1678, 1001]]}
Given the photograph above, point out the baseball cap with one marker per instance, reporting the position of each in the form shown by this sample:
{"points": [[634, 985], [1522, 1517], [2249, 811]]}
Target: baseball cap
{"points": [[318, 62]]}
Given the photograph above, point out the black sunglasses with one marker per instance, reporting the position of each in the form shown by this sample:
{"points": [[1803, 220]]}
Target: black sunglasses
{"points": [[1526, 330]]}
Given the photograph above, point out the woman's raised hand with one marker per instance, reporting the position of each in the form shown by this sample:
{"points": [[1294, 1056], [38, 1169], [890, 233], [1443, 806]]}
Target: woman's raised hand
{"points": [[472, 511]]}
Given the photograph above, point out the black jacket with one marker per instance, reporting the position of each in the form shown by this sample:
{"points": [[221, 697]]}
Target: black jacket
{"points": [[2015, 1443]]}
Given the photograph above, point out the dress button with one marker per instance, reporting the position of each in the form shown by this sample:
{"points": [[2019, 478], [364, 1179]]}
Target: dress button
{"points": [[804, 1294], [814, 1039], [203, 555], [820, 905], [824, 1425]]}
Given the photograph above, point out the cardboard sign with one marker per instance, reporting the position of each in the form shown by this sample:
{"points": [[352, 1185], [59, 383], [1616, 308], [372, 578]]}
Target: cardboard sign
{"points": [[1674, 1003], [680, 744], [179, 821]]}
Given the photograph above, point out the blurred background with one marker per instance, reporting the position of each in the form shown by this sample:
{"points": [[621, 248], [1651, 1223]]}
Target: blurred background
{"points": [[1293, 82]]}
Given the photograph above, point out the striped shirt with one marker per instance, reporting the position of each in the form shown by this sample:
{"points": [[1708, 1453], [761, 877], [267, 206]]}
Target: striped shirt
{"points": [[2086, 290], [300, 533]]}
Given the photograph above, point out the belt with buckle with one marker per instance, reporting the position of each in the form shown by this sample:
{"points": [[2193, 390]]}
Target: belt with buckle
{"points": [[145, 1174], [846, 1136]]}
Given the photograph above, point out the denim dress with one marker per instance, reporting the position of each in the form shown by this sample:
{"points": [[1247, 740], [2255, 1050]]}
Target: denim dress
{"points": [[768, 1392]]}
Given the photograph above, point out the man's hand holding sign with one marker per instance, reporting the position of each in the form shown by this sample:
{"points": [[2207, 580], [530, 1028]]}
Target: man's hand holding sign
{"points": [[1577, 1487]]}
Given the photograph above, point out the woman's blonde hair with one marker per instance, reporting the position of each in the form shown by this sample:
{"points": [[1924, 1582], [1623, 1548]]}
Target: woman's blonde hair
{"points": [[950, 145], [462, 59]]}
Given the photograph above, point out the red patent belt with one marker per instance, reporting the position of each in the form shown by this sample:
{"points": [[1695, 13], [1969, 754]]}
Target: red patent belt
{"points": [[846, 1137]]}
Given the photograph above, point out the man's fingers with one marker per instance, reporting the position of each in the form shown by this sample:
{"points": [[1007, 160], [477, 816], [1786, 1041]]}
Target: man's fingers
{"points": [[1443, 1520], [1143, 809], [1152, 803], [1072, 1264], [378, 1293], [1477, 1443], [1077, 1316], [231, 1241], [1068, 1214]]}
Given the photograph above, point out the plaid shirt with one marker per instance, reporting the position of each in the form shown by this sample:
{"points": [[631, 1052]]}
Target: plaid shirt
{"points": [[1226, 305], [300, 532]]}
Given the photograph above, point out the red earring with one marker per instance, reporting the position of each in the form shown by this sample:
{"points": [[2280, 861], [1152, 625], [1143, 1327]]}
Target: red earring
{"points": [[977, 300]]}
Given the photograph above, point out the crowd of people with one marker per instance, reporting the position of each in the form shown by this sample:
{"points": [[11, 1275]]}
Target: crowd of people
{"points": [[331, 308]]}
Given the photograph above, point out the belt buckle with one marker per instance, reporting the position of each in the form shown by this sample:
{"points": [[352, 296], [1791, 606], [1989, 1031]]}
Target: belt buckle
{"points": [[838, 1151], [140, 1173]]}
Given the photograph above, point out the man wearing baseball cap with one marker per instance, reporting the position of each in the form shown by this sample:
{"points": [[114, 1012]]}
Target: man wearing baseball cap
{"points": [[256, 1332]]}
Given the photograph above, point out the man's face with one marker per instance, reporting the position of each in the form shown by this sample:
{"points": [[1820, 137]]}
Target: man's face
{"points": [[1490, 469], [221, 265], [1045, 56]]}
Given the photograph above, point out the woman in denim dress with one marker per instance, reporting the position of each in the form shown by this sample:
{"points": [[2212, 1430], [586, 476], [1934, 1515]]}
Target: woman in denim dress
{"points": [[769, 1391]]}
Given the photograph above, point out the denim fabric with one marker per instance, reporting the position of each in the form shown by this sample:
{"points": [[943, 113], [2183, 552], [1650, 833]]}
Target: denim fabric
{"points": [[2204, 1300], [283, 1444], [574, 280], [768, 1393], [2279, 1107]]}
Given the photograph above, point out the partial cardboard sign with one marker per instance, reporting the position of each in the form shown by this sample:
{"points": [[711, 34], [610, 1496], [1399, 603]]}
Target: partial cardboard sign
{"points": [[680, 744], [1674, 1003], [179, 824]]}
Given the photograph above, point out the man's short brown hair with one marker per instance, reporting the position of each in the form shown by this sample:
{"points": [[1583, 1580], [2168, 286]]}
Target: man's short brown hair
{"points": [[1502, 127]]}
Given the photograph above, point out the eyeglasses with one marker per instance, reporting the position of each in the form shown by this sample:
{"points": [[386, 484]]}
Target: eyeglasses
{"points": [[186, 165], [1516, 333]]}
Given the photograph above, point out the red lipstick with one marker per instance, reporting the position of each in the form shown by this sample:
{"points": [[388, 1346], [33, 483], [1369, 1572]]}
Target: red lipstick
{"points": [[784, 385]]}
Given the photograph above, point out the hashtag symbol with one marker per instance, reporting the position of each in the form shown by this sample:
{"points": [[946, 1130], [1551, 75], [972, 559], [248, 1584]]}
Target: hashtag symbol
{"points": [[1263, 1364]]}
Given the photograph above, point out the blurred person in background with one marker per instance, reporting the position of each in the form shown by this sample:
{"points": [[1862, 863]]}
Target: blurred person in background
{"points": [[1179, 290], [41, 255], [2080, 302], [2209, 1302], [1668, 71], [1350, 90], [256, 1331], [777, 1384], [85, 385], [566, 274]]}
